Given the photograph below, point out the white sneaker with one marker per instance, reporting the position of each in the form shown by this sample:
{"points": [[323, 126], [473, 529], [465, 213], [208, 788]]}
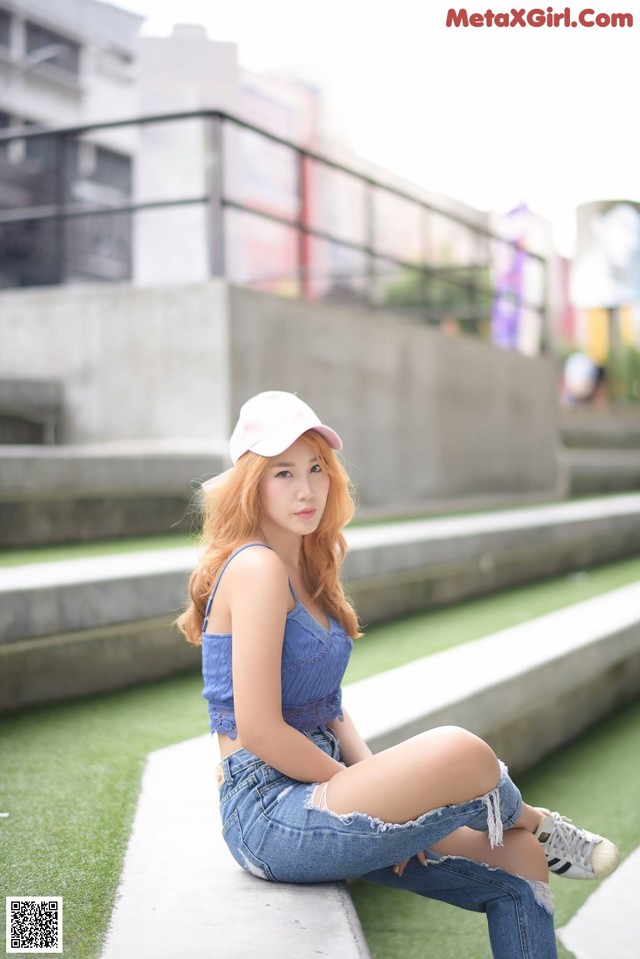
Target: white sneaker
{"points": [[573, 852]]}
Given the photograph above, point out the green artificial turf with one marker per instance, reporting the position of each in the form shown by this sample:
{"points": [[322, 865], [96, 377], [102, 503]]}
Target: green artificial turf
{"points": [[70, 783], [110, 547], [391, 644], [595, 781]]}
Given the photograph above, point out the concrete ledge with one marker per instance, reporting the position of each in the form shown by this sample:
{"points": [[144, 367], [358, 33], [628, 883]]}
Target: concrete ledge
{"points": [[181, 893], [90, 661], [90, 469], [74, 493], [399, 568], [392, 570], [601, 430], [600, 451], [527, 690], [50, 599], [521, 688], [594, 471], [49, 522]]}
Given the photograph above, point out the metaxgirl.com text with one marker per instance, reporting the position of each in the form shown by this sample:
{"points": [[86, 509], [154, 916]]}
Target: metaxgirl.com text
{"points": [[538, 17]]}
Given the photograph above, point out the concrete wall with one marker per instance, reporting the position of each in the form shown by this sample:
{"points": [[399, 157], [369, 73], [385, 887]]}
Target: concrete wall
{"points": [[423, 416], [136, 363]]}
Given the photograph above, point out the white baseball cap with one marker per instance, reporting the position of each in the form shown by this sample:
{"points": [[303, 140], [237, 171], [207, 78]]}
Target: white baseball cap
{"points": [[270, 422]]}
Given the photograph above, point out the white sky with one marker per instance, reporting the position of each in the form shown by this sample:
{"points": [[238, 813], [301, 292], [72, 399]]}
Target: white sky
{"points": [[491, 116]]}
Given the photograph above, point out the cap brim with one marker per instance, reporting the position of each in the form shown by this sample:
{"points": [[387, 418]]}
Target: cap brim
{"points": [[330, 435], [279, 442]]}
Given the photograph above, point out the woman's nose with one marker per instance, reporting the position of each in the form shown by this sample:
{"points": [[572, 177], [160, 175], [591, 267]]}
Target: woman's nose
{"points": [[304, 489]]}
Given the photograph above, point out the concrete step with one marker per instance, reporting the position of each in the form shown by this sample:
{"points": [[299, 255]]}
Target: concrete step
{"points": [[110, 615], [601, 430], [593, 471], [600, 451], [178, 875], [56, 494], [527, 689], [397, 568]]}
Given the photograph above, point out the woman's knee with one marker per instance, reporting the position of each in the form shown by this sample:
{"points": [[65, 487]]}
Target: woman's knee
{"points": [[472, 757]]}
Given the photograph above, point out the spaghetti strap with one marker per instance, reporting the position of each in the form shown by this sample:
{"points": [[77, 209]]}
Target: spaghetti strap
{"points": [[217, 583], [293, 593]]}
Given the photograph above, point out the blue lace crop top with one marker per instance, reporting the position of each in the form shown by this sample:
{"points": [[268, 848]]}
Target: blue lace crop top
{"points": [[314, 660]]}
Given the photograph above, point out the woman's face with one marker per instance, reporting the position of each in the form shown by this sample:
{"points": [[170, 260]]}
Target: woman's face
{"points": [[293, 491]]}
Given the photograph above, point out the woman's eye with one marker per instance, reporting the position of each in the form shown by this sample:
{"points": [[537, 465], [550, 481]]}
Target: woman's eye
{"points": [[283, 474], [316, 468]]}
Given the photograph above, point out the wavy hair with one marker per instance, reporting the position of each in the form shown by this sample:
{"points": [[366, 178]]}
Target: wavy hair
{"points": [[232, 516]]}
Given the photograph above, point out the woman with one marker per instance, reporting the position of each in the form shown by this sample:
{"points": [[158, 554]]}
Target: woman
{"points": [[302, 797]]}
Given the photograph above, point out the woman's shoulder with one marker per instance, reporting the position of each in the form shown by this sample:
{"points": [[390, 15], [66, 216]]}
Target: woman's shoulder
{"points": [[255, 561], [256, 579]]}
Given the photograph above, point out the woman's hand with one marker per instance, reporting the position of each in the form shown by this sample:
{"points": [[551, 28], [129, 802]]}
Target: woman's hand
{"points": [[400, 867]]}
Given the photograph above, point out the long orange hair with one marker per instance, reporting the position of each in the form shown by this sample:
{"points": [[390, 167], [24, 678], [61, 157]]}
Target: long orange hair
{"points": [[231, 517]]}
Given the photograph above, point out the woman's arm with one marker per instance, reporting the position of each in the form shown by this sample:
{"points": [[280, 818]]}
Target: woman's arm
{"points": [[257, 589], [353, 748]]}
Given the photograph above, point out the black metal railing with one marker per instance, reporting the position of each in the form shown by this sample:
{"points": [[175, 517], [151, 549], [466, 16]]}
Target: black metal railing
{"points": [[88, 203]]}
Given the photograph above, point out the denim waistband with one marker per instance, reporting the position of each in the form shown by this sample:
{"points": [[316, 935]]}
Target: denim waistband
{"points": [[241, 761]]}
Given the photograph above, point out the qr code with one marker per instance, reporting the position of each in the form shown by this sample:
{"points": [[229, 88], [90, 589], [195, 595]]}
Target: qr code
{"points": [[34, 924]]}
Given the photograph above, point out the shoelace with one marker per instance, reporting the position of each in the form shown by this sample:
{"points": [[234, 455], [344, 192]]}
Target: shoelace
{"points": [[569, 842]]}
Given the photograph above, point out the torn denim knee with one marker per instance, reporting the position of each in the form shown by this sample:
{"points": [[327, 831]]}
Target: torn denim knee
{"points": [[502, 809], [491, 802], [542, 894]]}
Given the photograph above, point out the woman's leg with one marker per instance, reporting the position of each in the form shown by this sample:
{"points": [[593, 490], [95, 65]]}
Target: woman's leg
{"points": [[519, 912], [440, 767], [450, 767], [521, 854]]}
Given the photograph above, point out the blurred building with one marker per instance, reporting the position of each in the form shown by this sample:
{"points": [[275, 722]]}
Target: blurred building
{"points": [[65, 63], [185, 72], [192, 196]]}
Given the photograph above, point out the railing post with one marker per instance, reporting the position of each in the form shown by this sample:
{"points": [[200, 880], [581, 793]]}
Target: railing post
{"points": [[60, 194], [303, 245], [215, 177], [424, 237], [545, 337], [371, 262]]}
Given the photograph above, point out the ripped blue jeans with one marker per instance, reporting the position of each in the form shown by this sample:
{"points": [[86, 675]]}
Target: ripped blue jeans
{"points": [[275, 832]]}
